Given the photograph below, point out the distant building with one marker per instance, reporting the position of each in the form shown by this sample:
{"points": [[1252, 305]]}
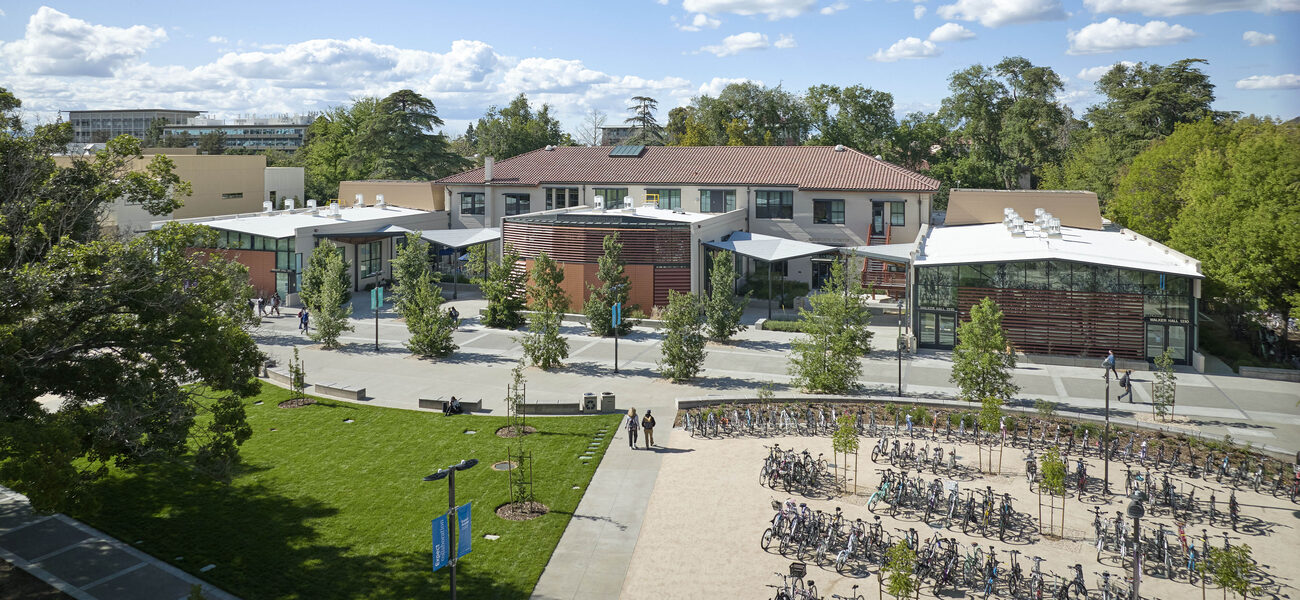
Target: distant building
{"points": [[420, 195], [613, 136], [258, 133], [90, 126]]}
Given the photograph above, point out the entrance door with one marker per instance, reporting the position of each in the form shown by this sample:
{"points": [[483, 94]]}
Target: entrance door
{"points": [[877, 218], [938, 330], [821, 272], [1161, 335]]}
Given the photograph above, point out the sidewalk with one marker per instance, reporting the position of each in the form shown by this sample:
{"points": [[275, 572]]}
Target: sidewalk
{"points": [[82, 562]]}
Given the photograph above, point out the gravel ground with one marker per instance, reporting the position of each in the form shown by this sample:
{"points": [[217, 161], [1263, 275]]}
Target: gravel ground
{"points": [[700, 536]]}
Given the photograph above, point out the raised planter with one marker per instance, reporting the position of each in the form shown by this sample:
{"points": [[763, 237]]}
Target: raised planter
{"points": [[337, 390], [1268, 373]]}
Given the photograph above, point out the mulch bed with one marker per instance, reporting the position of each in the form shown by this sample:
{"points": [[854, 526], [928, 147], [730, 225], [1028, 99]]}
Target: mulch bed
{"points": [[509, 431], [522, 511], [297, 403]]}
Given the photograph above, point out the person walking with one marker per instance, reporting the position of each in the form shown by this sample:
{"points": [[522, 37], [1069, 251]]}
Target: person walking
{"points": [[261, 307], [1126, 384], [1109, 364], [275, 304], [648, 424], [632, 425], [303, 317]]}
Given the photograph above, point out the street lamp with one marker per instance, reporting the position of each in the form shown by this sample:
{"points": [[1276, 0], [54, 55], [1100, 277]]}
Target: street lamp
{"points": [[900, 348], [1105, 443], [1136, 511], [449, 474]]}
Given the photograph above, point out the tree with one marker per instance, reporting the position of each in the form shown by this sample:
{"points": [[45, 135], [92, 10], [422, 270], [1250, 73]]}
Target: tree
{"points": [[1052, 469], [900, 564], [503, 288], [543, 345], [982, 360], [683, 342], [325, 292], [1162, 400], [1231, 568], [297, 377], [675, 130], [613, 289], [912, 141], [1147, 199], [856, 116], [516, 129], [648, 130], [111, 326], [399, 141], [419, 300], [756, 110], [479, 259], [212, 142], [845, 441], [589, 132], [412, 261], [722, 310], [153, 137], [825, 358]]}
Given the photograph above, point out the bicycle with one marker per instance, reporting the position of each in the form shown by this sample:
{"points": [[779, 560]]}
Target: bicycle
{"points": [[853, 595], [1036, 583], [1073, 589]]}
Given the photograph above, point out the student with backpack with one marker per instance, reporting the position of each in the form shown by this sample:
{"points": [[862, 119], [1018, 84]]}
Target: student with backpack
{"points": [[1126, 384]]}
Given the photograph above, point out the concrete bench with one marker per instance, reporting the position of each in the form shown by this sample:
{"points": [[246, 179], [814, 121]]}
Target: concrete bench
{"points": [[1268, 373], [466, 405], [280, 376], [338, 390], [554, 408]]}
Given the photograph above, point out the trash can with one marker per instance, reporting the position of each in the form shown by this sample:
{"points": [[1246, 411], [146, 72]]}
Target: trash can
{"points": [[607, 402], [588, 403]]}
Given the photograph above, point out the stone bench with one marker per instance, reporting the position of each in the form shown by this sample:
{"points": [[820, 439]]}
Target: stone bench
{"points": [[1267, 373], [280, 376], [468, 406], [338, 390]]}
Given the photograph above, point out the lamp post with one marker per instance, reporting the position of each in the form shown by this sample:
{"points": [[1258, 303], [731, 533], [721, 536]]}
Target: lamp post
{"points": [[900, 348], [1136, 511], [449, 474], [616, 318], [1105, 443]]}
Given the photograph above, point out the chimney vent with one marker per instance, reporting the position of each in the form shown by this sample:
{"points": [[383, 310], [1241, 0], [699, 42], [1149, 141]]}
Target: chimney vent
{"points": [[487, 169], [361, 201]]}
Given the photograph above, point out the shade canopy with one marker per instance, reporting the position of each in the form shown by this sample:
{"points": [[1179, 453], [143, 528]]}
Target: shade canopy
{"points": [[454, 238], [895, 253], [768, 248]]}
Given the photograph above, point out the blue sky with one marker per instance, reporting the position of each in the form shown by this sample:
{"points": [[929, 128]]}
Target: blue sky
{"points": [[265, 58]]}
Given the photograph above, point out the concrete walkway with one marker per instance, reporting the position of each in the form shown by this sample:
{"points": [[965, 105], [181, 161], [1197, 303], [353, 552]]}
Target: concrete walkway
{"points": [[84, 563]]}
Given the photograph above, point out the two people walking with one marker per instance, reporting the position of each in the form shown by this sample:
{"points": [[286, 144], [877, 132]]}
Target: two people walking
{"points": [[635, 424], [1125, 380]]}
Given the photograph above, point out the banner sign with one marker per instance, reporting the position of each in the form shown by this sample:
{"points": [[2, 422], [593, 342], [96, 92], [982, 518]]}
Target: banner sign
{"points": [[441, 543], [463, 538]]}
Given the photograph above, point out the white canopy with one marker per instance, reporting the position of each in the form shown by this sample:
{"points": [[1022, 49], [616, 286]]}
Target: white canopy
{"points": [[896, 253], [768, 248], [454, 238]]}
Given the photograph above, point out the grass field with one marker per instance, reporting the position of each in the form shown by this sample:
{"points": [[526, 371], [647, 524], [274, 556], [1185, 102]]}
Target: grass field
{"points": [[322, 508]]}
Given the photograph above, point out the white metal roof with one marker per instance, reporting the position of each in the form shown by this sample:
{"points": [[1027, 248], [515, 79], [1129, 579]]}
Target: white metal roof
{"points": [[651, 212], [993, 243], [285, 224], [768, 248], [899, 253], [462, 238]]}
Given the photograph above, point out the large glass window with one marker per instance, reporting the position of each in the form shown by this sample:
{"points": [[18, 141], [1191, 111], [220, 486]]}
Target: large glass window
{"points": [[897, 214], [717, 201], [561, 198], [774, 204], [668, 199], [370, 258], [613, 196], [471, 203], [517, 204], [828, 212]]}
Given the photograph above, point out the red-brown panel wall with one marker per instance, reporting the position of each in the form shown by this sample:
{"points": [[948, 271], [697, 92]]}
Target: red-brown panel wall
{"points": [[259, 263], [1065, 323]]}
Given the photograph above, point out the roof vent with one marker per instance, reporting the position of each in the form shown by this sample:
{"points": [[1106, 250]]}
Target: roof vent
{"points": [[266, 206], [334, 210], [627, 203], [311, 205], [1018, 227], [379, 201], [600, 203], [1054, 228], [839, 147], [361, 201], [879, 157], [549, 147]]}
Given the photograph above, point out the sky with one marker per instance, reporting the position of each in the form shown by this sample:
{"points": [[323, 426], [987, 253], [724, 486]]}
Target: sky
{"points": [[237, 58]]}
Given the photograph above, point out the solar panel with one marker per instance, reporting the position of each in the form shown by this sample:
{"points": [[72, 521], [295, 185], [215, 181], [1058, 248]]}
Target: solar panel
{"points": [[627, 151]]}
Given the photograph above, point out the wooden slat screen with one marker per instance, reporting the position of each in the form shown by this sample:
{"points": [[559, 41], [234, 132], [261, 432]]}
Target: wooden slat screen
{"points": [[1065, 323], [585, 244], [671, 278]]}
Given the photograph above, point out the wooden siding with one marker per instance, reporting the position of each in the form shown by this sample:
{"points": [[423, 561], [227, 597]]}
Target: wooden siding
{"points": [[670, 278], [1065, 323], [585, 244]]}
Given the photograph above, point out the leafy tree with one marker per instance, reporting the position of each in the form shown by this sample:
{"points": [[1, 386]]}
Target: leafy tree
{"points": [[297, 377], [899, 567], [110, 326], [982, 360], [1231, 568], [503, 288], [153, 137], [1046, 408], [401, 143], [722, 310], [683, 343], [516, 129], [675, 130], [648, 130], [412, 261], [696, 134], [419, 300], [856, 116], [543, 345], [825, 358], [613, 289], [325, 291], [990, 416], [758, 110], [1165, 388], [845, 441], [479, 259], [1052, 469], [178, 140], [212, 142], [1147, 199], [911, 141], [329, 152]]}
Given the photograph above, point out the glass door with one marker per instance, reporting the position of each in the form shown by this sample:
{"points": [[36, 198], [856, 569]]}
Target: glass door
{"points": [[877, 218], [1155, 340], [928, 328], [947, 330]]}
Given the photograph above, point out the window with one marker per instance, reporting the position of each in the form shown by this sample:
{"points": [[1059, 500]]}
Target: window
{"points": [[828, 212], [370, 258], [561, 198], [668, 199], [517, 204], [717, 201], [613, 196], [471, 203], [774, 204], [897, 214], [232, 196]]}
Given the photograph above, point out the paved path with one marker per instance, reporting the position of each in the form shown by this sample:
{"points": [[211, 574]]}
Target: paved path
{"points": [[85, 563]]}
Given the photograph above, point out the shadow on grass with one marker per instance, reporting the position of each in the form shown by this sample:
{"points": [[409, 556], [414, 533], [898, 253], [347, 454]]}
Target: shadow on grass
{"points": [[264, 544]]}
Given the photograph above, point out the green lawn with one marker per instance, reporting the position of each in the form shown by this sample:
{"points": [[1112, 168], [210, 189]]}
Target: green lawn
{"points": [[327, 509]]}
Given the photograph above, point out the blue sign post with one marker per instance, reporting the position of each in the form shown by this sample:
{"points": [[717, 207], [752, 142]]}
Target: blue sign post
{"points": [[441, 543], [376, 303], [463, 538]]}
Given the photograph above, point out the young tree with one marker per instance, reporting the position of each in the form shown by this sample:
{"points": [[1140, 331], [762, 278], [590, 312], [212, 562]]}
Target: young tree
{"points": [[325, 292], [845, 441], [982, 360], [648, 130], [900, 564], [613, 289], [543, 345], [1163, 397], [589, 131], [825, 358], [683, 343], [419, 300], [297, 377], [479, 259], [722, 310], [1231, 569], [503, 288]]}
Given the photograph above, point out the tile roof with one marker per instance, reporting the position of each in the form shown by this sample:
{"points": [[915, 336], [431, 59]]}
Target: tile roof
{"points": [[805, 167]]}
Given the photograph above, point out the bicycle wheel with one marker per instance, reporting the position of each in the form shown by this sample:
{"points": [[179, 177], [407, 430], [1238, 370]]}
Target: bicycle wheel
{"points": [[842, 562], [1013, 586], [766, 540], [823, 555], [1075, 591], [796, 587], [875, 499], [812, 592]]}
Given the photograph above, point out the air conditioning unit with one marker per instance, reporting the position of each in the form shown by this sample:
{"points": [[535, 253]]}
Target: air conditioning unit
{"points": [[334, 210], [361, 201], [311, 205], [599, 202], [267, 206], [627, 203], [379, 201]]}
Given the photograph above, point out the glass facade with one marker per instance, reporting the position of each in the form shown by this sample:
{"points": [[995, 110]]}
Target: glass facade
{"points": [[717, 201], [517, 204], [370, 259], [287, 261], [561, 198], [613, 196]]}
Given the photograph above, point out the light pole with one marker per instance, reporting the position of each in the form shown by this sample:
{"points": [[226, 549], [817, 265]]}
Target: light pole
{"points": [[1136, 511], [616, 318], [449, 474], [900, 348], [1105, 444]]}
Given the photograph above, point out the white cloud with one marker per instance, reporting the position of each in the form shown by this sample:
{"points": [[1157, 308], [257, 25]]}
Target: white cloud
{"points": [[57, 44], [1095, 73], [918, 11], [715, 86], [996, 13], [785, 42], [662, 2], [772, 9], [734, 44], [216, 39], [1113, 34], [1174, 8], [1290, 81], [950, 32], [1255, 38], [907, 48], [834, 8], [551, 75], [700, 21], [2, 12]]}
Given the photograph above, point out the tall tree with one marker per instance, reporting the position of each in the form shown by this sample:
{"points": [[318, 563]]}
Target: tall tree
{"points": [[503, 288], [325, 292], [401, 143], [675, 130], [1147, 199], [759, 110], [328, 149], [516, 129], [683, 343], [419, 300], [212, 142], [648, 130], [613, 289], [856, 116], [825, 358], [723, 311], [982, 360], [589, 132], [112, 327], [912, 142], [543, 345]]}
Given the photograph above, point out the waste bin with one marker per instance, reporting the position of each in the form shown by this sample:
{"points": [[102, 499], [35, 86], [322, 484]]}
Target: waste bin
{"points": [[607, 402], [588, 403]]}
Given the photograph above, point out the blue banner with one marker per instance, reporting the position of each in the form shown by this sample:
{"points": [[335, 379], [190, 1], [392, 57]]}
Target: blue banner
{"points": [[376, 298], [441, 543], [463, 538], [616, 313]]}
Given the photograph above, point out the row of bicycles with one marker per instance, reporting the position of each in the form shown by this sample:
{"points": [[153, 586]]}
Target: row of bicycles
{"points": [[793, 471], [943, 505], [1165, 551], [908, 455]]}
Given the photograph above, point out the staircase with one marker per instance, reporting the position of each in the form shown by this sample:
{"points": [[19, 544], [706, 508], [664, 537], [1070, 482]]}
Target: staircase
{"points": [[876, 274]]}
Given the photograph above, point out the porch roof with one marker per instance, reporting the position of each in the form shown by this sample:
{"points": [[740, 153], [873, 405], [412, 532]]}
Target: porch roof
{"points": [[768, 248]]}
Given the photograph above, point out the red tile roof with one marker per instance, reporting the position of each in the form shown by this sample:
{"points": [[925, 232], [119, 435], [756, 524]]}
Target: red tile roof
{"points": [[807, 167]]}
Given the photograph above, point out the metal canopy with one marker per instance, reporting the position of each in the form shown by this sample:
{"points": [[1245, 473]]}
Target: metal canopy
{"points": [[768, 248], [452, 238], [895, 253]]}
